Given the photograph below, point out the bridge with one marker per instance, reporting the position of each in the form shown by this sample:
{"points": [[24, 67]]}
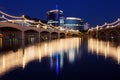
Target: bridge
{"points": [[22, 28], [108, 30]]}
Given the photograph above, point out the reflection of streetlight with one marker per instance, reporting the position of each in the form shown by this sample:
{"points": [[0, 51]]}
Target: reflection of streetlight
{"points": [[71, 55]]}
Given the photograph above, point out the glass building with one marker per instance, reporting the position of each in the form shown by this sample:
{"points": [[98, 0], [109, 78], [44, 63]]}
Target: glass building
{"points": [[55, 17], [74, 23]]}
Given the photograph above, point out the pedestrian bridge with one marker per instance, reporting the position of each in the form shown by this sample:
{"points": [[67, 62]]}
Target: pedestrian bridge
{"points": [[108, 30], [22, 28]]}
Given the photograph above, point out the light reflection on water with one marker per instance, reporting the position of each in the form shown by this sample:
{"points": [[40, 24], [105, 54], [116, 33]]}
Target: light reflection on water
{"points": [[10, 60], [72, 57], [105, 48]]}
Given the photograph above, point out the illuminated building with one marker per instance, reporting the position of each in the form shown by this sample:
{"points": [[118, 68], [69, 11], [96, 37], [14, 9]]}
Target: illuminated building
{"points": [[74, 23], [62, 21], [54, 17]]}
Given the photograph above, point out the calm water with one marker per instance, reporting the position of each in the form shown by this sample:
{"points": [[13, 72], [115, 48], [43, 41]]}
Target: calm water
{"points": [[64, 59]]}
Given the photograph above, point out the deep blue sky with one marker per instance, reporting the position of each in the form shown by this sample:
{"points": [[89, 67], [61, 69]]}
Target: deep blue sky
{"points": [[92, 11]]}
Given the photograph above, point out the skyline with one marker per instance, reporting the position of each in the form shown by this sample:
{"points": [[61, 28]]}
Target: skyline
{"points": [[94, 12]]}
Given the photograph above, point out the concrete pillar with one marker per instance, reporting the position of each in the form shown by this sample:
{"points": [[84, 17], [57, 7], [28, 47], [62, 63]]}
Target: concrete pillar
{"points": [[39, 37], [50, 36], [96, 33], [58, 35], [90, 34], [65, 35], [23, 35]]}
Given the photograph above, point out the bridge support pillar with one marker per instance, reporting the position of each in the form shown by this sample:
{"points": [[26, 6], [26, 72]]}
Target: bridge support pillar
{"points": [[97, 34], [90, 34], [39, 37], [23, 35], [50, 36], [58, 35], [65, 35]]}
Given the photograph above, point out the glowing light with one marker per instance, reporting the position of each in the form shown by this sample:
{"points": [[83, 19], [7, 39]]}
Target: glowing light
{"points": [[12, 59], [61, 59], [0, 42], [71, 56], [73, 18], [55, 11], [111, 24], [57, 64], [9, 15], [106, 49]]}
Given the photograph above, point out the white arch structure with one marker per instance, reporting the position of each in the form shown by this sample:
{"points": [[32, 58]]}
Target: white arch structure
{"points": [[107, 25]]}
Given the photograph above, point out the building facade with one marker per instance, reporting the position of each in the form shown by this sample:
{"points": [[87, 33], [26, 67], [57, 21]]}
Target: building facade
{"points": [[74, 23], [55, 17]]}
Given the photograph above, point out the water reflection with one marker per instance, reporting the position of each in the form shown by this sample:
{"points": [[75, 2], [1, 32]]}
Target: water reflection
{"points": [[108, 49], [54, 49]]}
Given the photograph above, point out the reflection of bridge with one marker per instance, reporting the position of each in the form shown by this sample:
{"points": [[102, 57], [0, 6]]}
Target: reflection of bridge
{"points": [[21, 28], [20, 58], [104, 48], [107, 30]]}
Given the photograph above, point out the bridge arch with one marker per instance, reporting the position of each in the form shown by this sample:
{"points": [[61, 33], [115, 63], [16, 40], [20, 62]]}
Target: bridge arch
{"points": [[101, 34], [55, 35], [74, 35], [62, 35], [9, 32], [12, 27], [113, 33], [31, 29], [31, 36], [45, 30], [45, 36]]}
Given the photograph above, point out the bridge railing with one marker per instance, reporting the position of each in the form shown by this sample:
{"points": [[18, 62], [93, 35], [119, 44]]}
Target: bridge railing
{"points": [[106, 25], [22, 21]]}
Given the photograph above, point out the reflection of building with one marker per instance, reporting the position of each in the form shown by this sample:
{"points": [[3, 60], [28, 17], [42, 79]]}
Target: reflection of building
{"points": [[74, 23], [54, 17]]}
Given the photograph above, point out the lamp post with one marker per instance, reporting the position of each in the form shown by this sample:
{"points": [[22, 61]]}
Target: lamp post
{"points": [[97, 31]]}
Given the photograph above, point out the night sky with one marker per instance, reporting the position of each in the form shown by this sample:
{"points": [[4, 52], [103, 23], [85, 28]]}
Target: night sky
{"points": [[95, 12]]}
